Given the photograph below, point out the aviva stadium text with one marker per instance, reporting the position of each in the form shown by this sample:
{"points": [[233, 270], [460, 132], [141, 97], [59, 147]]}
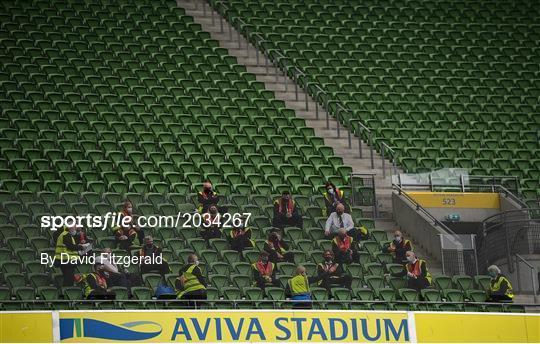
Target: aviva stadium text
{"points": [[290, 328]]}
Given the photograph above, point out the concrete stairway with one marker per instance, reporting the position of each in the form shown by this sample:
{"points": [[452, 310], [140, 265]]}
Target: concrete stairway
{"points": [[285, 90]]}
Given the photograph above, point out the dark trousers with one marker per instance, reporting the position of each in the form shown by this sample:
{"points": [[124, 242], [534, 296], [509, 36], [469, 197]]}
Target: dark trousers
{"points": [[68, 272], [261, 283], [417, 283], [162, 268], [124, 244], [498, 298], [343, 281], [281, 221], [347, 257], [241, 243], [211, 233], [101, 295], [194, 299], [118, 280], [287, 257]]}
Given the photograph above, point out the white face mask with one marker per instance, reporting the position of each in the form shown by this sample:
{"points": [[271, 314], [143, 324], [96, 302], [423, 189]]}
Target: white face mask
{"points": [[410, 259], [331, 191], [129, 210], [196, 263]]}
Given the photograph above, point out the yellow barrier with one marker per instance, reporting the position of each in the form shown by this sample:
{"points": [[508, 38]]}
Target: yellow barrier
{"points": [[473, 200], [26, 327], [235, 326], [477, 328]]}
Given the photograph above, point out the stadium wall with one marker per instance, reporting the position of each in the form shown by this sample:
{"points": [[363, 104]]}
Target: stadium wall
{"points": [[236, 326]]}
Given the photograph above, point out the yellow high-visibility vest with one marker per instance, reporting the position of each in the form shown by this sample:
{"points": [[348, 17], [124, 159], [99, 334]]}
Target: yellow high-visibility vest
{"points": [[496, 286], [298, 285], [191, 283], [61, 248]]}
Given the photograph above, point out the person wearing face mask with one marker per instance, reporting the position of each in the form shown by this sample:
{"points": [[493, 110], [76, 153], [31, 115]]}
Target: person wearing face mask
{"points": [[418, 276], [399, 247], [286, 212], [344, 248], [66, 243], [207, 197], [190, 284], [332, 197], [298, 290], [500, 288], [264, 272], [151, 250], [127, 210], [94, 284], [211, 228], [331, 273], [240, 238], [278, 249]]}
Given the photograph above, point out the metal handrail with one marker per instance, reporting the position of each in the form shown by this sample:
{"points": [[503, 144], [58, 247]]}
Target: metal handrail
{"points": [[504, 213], [515, 198], [533, 272], [464, 187], [384, 147], [276, 304], [418, 207]]}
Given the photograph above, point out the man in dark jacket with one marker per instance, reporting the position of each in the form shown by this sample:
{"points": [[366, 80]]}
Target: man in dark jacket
{"points": [[331, 273], [264, 272], [154, 252], [207, 197], [286, 212], [418, 276], [399, 247]]}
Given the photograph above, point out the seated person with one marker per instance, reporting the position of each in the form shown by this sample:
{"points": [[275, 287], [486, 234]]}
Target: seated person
{"points": [[211, 228], [190, 284], [127, 210], [115, 277], [95, 284], [158, 264], [264, 272], [277, 249], [500, 289], [124, 237], [399, 247], [207, 197], [286, 212], [240, 238], [331, 273], [338, 220], [418, 276], [344, 248], [333, 196]]}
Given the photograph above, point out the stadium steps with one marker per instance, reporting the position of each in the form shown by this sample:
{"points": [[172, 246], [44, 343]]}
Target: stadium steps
{"points": [[340, 145]]}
